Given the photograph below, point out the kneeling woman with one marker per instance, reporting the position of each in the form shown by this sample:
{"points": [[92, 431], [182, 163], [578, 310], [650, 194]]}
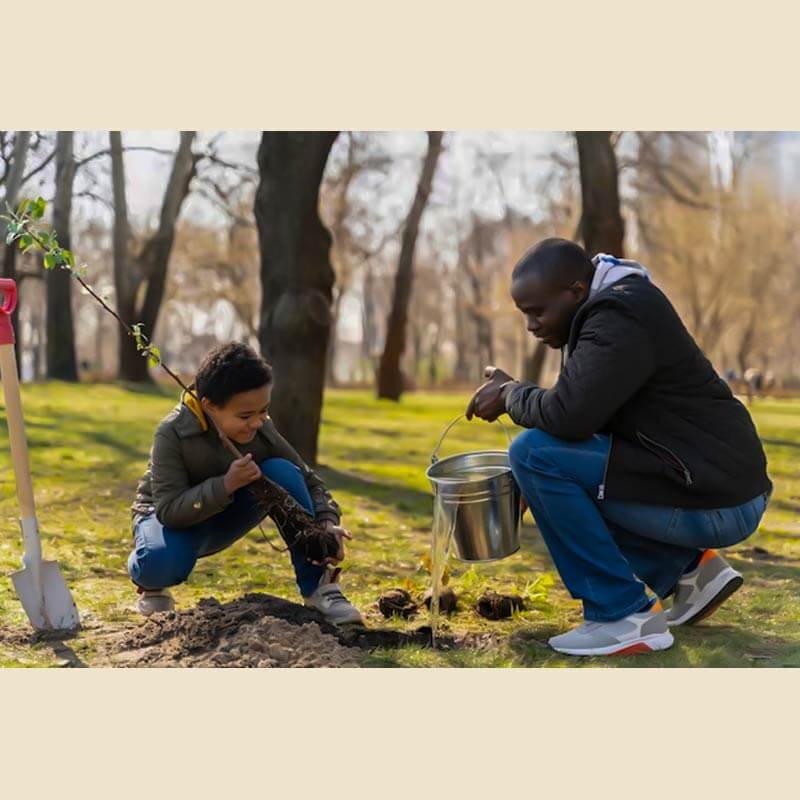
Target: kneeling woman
{"points": [[194, 499]]}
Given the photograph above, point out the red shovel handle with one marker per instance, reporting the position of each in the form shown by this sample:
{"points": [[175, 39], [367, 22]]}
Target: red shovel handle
{"points": [[9, 289]]}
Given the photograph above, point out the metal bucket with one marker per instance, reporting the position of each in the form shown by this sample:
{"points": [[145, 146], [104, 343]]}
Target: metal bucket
{"points": [[480, 499]]}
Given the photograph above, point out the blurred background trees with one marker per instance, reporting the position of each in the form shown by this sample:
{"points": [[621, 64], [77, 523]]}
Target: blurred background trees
{"points": [[382, 259]]}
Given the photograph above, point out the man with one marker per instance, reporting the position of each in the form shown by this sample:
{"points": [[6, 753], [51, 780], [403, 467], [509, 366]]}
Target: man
{"points": [[638, 463]]}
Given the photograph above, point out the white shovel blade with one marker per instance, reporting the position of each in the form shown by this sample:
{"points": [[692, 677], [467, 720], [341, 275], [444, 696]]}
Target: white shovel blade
{"points": [[59, 612]]}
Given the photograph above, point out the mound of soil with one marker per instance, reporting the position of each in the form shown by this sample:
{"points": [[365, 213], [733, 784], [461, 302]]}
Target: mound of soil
{"points": [[255, 631]]}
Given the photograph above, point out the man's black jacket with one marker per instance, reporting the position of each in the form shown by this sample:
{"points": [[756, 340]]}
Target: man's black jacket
{"points": [[679, 437]]}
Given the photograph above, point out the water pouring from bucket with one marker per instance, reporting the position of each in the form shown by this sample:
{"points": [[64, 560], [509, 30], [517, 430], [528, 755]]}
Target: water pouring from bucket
{"points": [[476, 509]]}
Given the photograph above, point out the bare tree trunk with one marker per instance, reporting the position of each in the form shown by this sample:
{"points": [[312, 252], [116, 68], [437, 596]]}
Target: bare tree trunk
{"points": [[416, 349], [390, 377], [602, 227], [482, 288], [534, 364], [330, 358], [368, 320], [297, 279], [151, 264], [13, 182], [154, 258], [61, 361], [433, 355], [462, 370]]}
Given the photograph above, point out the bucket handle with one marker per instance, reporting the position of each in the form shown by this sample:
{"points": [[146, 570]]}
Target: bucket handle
{"points": [[435, 454]]}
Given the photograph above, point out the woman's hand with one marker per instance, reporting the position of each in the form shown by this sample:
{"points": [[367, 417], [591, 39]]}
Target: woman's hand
{"points": [[341, 534], [240, 473]]}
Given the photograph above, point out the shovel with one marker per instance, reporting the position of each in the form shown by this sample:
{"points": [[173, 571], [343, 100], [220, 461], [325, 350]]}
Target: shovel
{"points": [[40, 585]]}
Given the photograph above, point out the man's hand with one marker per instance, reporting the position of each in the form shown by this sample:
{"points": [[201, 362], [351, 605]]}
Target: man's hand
{"points": [[341, 534], [240, 473], [489, 402]]}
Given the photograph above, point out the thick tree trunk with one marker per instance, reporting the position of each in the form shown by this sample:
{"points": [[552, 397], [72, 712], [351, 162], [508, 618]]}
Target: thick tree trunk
{"points": [[13, 183], [61, 361], [151, 264], [390, 377], [602, 227], [297, 280]]}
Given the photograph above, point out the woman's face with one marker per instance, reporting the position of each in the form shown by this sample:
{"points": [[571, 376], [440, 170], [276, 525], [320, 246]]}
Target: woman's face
{"points": [[241, 417]]}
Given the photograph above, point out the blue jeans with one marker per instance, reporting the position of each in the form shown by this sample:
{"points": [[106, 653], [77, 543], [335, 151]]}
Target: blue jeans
{"points": [[607, 550], [165, 556]]}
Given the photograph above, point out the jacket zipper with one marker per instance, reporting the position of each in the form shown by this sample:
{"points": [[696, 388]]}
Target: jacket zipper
{"points": [[601, 489], [654, 447]]}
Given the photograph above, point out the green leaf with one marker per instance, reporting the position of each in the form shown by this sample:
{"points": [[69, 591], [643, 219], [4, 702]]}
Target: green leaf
{"points": [[69, 259], [11, 232], [25, 242], [153, 356], [38, 207], [23, 207], [49, 261]]}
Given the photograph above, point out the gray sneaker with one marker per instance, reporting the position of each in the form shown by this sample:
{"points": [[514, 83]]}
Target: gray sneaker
{"points": [[151, 602], [702, 591], [331, 603], [642, 632]]}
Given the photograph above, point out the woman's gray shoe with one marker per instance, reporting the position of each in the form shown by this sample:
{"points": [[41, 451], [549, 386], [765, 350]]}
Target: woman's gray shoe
{"points": [[702, 591]]}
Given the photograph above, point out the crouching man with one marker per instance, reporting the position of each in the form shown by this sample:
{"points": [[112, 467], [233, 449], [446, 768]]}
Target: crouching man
{"points": [[639, 463]]}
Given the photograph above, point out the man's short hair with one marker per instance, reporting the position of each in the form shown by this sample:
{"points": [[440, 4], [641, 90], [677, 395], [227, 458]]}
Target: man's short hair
{"points": [[557, 261]]}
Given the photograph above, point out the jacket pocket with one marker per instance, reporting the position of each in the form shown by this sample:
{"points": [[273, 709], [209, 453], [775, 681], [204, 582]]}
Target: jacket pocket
{"points": [[667, 456]]}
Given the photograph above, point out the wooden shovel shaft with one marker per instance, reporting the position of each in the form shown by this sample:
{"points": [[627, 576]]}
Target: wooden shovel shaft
{"points": [[16, 431]]}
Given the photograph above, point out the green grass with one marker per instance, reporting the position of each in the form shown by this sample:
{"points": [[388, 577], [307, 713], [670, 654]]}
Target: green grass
{"points": [[89, 445]]}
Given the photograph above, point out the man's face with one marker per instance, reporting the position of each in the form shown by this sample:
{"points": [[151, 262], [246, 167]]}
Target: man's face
{"points": [[242, 416], [548, 307]]}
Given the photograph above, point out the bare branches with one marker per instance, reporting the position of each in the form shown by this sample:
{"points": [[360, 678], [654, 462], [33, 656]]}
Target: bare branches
{"points": [[40, 167], [128, 149], [668, 174]]}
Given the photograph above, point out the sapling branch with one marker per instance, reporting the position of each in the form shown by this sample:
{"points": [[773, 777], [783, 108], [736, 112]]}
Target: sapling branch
{"points": [[299, 528]]}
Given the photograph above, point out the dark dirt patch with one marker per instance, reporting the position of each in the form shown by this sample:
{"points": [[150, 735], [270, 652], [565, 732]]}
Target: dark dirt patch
{"points": [[759, 554], [257, 630]]}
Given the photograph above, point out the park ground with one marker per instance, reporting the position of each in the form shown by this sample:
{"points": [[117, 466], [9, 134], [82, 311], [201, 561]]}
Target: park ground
{"points": [[89, 444]]}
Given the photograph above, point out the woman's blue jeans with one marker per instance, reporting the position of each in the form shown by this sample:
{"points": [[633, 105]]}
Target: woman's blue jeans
{"points": [[165, 556], [606, 550]]}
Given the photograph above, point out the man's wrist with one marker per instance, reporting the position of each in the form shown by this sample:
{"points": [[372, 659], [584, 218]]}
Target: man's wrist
{"points": [[506, 387]]}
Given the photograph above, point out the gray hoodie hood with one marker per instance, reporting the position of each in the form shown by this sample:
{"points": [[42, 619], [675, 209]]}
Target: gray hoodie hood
{"points": [[609, 269]]}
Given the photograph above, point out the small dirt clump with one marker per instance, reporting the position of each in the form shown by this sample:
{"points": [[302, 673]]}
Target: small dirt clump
{"points": [[448, 600], [496, 606], [397, 602]]}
